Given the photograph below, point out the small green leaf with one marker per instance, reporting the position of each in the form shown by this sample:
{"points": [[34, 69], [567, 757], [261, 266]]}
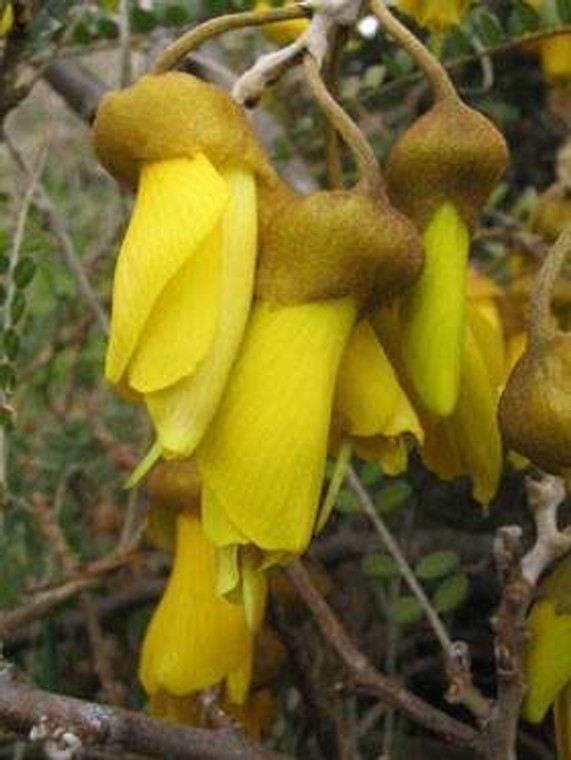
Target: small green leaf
{"points": [[369, 474], [4, 263], [450, 593], [108, 28], [17, 307], [24, 272], [523, 19], [490, 29], [347, 503], [11, 344], [143, 21], [393, 497], [406, 609], [379, 565], [436, 565], [7, 376], [175, 15]]}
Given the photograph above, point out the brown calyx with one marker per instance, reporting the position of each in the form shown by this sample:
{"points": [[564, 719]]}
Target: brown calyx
{"points": [[450, 154], [535, 407], [173, 115], [332, 244]]}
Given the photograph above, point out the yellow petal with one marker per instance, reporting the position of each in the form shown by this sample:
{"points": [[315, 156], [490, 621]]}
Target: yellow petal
{"points": [[433, 314], [486, 326], [254, 588], [263, 458], [457, 446], [182, 413], [178, 204], [548, 660], [556, 58], [367, 387], [180, 328], [238, 681], [195, 637], [390, 454]]}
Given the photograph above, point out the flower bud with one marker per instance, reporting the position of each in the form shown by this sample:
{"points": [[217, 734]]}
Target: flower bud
{"points": [[535, 407], [172, 115], [332, 244], [452, 154]]}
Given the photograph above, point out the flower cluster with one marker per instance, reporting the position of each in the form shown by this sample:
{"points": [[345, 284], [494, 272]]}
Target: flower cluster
{"points": [[263, 329]]}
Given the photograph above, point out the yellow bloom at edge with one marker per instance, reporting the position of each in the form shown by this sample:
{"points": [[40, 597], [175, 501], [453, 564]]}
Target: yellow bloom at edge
{"points": [[6, 19], [555, 56], [436, 15], [262, 462], [197, 639], [182, 292], [370, 405], [281, 32], [548, 659]]}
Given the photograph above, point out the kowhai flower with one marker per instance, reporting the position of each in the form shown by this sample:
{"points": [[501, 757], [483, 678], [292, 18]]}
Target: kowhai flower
{"points": [[184, 278], [323, 258], [196, 638]]}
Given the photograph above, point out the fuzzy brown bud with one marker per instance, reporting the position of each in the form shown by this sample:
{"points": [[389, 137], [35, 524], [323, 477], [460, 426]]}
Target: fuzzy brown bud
{"points": [[451, 154], [335, 243], [535, 407], [168, 116]]}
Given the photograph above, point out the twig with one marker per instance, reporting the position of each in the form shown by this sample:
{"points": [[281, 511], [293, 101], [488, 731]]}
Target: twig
{"points": [[125, 67], [45, 600], [64, 721], [519, 576], [367, 677], [461, 688], [433, 70], [59, 228], [14, 257], [184, 45]]}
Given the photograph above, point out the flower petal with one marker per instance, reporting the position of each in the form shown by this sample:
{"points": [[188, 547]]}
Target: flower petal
{"points": [[178, 204], [180, 328], [264, 455], [182, 413], [548, 659], [195, 637], [433, 314]]}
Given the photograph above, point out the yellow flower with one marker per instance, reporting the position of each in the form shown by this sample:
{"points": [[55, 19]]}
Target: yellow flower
{"points": [[371, 408], [436, 15], [548, 655], [196, 638], [454, 446], [555, 55], [281, 32], [184, 278], [548, 662], [263, 459]]}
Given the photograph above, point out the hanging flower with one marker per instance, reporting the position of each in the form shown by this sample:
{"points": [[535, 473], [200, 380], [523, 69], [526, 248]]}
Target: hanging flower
{"points": [[323, 258], [196, 638], [184, 278]]}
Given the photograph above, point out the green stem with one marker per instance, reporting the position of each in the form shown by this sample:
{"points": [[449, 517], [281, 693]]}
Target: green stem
{"points": [[540, 326], [367, 164], [179, 49], [434, 71]]}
